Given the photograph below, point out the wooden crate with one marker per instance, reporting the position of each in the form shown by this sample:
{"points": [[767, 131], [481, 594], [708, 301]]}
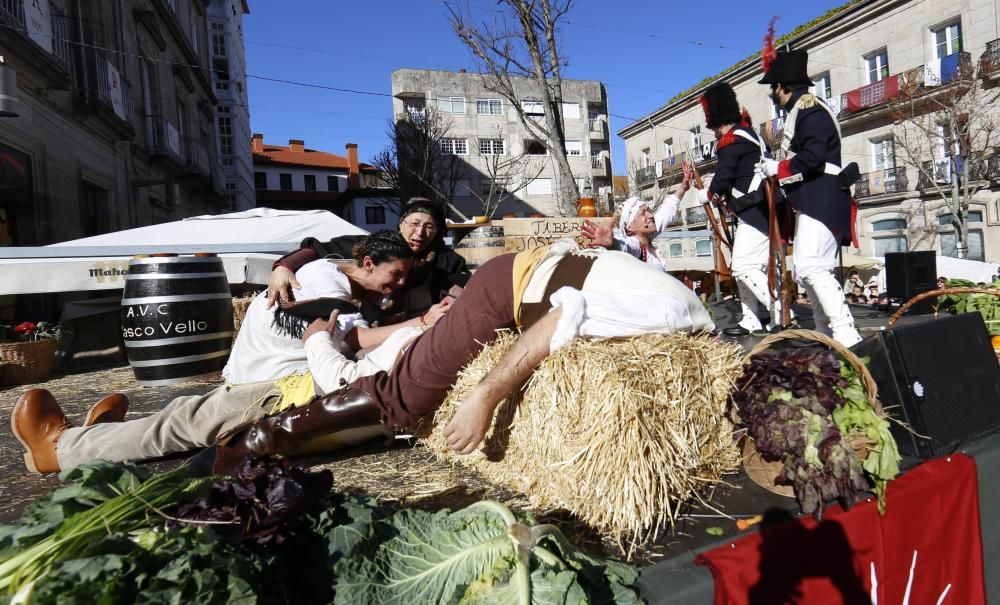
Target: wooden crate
{"points": [[526, 233]]}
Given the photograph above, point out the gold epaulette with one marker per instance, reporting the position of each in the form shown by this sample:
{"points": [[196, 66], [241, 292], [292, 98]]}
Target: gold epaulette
{"points": [[806, 101]]}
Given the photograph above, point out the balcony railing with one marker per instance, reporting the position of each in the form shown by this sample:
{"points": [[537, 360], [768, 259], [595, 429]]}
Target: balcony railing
{"points": [[198, 162], [921, 80], [54, 43], [646, 174], [677, 220], [882, 182], [695, 216], [771, 131], [665, 168], [989, 62], [941, 172], [102, 86], [934, 172], [599, 165], [163, 139]]}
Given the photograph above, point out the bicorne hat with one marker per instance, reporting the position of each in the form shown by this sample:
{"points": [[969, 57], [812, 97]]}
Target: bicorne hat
{"points": [[789, 68], [720, 105]]}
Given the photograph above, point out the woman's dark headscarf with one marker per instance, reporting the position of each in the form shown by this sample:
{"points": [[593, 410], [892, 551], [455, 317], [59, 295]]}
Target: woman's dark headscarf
{"points": [[426, 206]]}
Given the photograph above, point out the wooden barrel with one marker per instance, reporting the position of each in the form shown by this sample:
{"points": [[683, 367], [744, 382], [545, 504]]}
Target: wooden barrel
{"points": [[177, 318], [480, 245]]}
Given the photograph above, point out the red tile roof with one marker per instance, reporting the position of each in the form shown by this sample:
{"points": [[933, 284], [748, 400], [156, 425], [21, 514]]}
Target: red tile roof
{"points": [[283, 154]]}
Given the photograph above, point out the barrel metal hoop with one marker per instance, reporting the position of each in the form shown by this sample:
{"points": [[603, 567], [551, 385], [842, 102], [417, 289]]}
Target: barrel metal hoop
{"points": [[177, 340], [178, 298], [160, 260], [175, 360], [152, 276]]}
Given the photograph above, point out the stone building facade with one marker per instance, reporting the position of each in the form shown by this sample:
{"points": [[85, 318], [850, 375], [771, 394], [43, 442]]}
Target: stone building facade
{"points": [[115, 123], [858, 57], [483, 125]]}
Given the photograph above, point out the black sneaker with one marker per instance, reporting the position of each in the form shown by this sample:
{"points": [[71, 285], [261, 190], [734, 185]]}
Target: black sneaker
{"points": [[736, 331]]}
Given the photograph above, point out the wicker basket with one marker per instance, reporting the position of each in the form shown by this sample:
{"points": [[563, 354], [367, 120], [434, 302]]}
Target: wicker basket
{"points": [[26, 362], [942, 292], [763, 472]]}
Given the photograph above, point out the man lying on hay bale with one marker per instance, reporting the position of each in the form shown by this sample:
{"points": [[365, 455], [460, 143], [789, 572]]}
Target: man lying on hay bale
{"points": [[553, 294]]}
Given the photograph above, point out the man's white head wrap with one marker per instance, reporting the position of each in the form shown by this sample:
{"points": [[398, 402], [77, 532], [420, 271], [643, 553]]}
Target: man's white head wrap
{"points": [[630, 208]]}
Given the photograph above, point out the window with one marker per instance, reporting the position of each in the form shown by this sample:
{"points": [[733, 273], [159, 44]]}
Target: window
{"points": [[945, 145], [703, 247], [887, 236], [644, 160], [413, 106], [225, 125], [332, 183], [533, 109], [451, 104], [574, 148], [539, 187], [486, 184], [974, 247], [462, 188], [260, 180], [454, 146], [668, 148], [230, 196], [947, 40], [218, 40], [489, 107], [877, 66], [822, 84], [571, 111], [696, 142], [375, 215], [95, 212], [675, 249], [310, 182], [491, 147], [285, 180], [883, 154], [532, 147], [973, 216]]}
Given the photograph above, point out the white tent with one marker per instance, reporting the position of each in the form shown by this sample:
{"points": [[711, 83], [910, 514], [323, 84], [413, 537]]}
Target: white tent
{"points": [[248, 242], [959, 268]]}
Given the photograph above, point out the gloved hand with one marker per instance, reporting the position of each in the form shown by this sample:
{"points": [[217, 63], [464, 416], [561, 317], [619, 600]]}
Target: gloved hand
{"points": [[767, 168], [702, 195]]}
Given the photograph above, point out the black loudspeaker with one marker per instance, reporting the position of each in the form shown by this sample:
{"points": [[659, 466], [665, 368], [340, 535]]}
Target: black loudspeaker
{"points": [[908, 274], [939, 376]]}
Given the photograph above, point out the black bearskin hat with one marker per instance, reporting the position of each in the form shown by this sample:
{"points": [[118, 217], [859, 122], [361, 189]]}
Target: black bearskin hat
{"points": [[720, 105]]}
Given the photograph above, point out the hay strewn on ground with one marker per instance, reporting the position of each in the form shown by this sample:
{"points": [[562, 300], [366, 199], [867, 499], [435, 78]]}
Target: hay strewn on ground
{"points": [[619, 433], [240, 304]]}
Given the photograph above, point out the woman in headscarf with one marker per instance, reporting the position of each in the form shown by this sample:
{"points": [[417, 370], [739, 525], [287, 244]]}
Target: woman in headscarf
{"points": [[638, 226], [437, 270]]}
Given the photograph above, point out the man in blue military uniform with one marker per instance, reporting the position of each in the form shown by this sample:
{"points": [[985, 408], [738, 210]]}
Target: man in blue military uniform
{"points": [[810, 176], [739, 150]]}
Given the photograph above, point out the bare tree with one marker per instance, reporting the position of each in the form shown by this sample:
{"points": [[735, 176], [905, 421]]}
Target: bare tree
{"points": [[415, 162], [508, 173], [946, 131], [517, 47]]}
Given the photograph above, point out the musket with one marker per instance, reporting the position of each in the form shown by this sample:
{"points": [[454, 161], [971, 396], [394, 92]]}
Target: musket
{"points": [[777, 284]]}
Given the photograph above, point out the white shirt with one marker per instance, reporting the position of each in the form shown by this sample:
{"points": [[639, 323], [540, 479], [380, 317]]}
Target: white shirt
{"points": [[662, 216], [260, 353]]}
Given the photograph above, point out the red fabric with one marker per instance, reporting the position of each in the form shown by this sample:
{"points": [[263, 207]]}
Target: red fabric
{"points": [[873, 94], [784, 169], [932, 511], [727, 139]]}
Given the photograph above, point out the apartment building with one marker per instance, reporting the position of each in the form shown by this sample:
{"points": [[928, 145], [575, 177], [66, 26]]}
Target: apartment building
{"points": [[483, 126], [232, 115], [115, 123], [293, 177], [863, 58]]}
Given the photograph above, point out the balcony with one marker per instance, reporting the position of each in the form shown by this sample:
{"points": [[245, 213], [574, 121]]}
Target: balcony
{"points": [[198, 163], [925, 80], [669, 167], [934, 174], [101, 88], [599, 165], [882, 182], [695, 216], [598, 129], [989, 62], [677, 220], [646, 174], [52, 42], [939, 173], [163, 140]]}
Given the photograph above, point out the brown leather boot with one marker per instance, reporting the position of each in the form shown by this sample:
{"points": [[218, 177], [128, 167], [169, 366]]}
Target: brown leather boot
{"points": [[284, 432], [110, 409], [37, 421]]}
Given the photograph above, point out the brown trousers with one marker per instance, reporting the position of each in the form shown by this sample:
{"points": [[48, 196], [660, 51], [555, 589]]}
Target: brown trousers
{"points": [[421, 379]]}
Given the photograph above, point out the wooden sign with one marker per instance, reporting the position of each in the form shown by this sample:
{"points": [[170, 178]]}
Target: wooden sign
{"points": [[526, 233]]}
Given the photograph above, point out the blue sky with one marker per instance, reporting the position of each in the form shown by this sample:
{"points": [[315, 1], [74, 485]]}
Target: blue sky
{"points": [[643, 51]]}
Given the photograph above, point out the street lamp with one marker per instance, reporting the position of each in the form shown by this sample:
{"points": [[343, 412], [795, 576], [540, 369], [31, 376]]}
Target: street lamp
{"points": [[8, 91]]}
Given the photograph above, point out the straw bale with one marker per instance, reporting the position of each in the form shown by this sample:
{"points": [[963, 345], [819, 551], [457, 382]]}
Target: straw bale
{"points": [[620, 433], [240, 304]]}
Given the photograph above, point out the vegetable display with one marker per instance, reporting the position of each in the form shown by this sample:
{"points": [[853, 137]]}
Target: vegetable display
{"points": [[987, 305], [275, 533], [807, 409]]}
